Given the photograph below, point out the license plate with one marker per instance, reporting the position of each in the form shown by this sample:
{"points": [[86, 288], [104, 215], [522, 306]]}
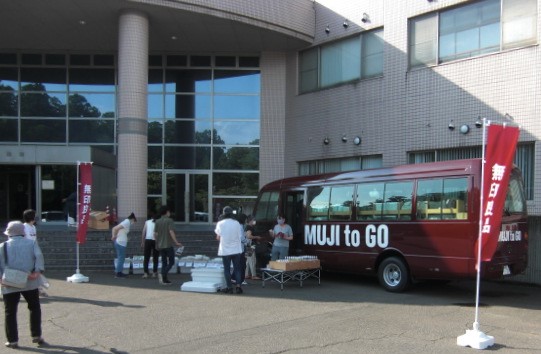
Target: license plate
{"points": [[506, 270]]}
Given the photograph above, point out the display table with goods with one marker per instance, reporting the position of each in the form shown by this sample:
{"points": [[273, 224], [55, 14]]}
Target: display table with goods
{"points": [[292, 268]]}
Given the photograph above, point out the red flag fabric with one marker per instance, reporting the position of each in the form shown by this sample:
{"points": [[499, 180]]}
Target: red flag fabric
{"points": [[85, 190], [499, 154]]}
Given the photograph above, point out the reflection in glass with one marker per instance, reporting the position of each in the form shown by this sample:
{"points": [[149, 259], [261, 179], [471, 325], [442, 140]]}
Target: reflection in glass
{"points": [[236, 107], [155, 131], [187, 131], [107, 148], [187, 106], [48, 79], [236, 158], [8, 58], [187, 157], [236, 183], [155, 106], [8, 130], [232, 133], [249, 62], [95, 80], [187, 80], [64, 178], [199, 198], [43, 130], [154, 204], [200, 60], [225, 61], [187, 196], [240, 205], [91, 131], [155, 157], [8, 79], [155, 80], [92, 105], [8, 104], [177, 60], [234, 81], [43, 104], [154, 182]]}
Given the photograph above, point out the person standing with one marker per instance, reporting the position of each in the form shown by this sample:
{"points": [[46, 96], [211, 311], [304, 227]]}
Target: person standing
{"points": [[250, 250], [148, 243], [23, 254], [245, 244], [229, 233], [30, 232], [120, 239], [29, 218], [164, 232], [282, 234]]}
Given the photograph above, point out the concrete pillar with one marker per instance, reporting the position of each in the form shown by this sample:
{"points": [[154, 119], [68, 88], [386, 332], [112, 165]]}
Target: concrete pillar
{"points": [[132, 131]]}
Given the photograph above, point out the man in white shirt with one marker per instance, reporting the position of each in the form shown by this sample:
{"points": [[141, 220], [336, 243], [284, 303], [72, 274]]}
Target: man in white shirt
{"points": [[228, 232]]}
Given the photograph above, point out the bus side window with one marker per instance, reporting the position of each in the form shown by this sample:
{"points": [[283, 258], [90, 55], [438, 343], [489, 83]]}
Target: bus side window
{"points": [[429, 199], [398, 201], [341, 202], [318, 203], [369, 201], [455, 198], [442, 199]]}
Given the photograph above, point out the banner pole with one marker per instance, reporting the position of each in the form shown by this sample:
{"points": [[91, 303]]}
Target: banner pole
{"points": [[480, 236], [475, 338], [77, 277]]}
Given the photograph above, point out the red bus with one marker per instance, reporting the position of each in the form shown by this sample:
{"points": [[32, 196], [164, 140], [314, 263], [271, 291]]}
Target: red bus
{"points": [[405, 223]]}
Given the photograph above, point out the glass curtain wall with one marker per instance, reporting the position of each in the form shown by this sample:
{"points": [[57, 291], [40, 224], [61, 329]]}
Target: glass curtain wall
{"points": [[203, 136], [52, 100], [203, 122]]}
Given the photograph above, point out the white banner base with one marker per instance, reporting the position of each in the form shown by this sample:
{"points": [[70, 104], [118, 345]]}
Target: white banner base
{"points": [[475, 338], [77, 278]]}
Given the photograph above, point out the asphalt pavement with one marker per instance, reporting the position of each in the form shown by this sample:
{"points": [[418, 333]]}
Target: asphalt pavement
{"points": [[345, 314]]}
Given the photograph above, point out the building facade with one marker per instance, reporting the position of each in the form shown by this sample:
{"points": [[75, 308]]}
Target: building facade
{"points": [[199, 103]]}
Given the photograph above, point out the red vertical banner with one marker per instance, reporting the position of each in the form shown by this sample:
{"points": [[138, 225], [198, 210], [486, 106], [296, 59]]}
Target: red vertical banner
{"points": [[499, 154], [85, 191]]}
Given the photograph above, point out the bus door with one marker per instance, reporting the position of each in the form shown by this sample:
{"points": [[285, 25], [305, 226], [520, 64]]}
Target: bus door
{"points": [[292, 208]]}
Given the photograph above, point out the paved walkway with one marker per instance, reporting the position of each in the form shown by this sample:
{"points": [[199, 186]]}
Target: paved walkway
{"points": [[342, 315]]}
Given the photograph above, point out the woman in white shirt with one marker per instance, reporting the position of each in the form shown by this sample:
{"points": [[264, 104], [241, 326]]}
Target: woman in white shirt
{"points": [[148, 243], [29, 218], [120, 238]]}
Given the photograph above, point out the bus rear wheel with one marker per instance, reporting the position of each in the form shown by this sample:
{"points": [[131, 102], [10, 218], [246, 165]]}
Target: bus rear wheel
{"points": [[393, 274]]}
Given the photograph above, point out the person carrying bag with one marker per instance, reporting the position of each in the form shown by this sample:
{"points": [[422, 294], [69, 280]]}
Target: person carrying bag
{"points": [[20, 257], [13, 277]]}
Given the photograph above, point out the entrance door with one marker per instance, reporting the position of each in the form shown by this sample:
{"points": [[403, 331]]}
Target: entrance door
{"points": [[187, 195], [293, 208], [17, 191]]}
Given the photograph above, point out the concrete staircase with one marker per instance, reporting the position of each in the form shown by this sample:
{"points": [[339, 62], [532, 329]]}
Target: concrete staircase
{"points": [[59, 247]]}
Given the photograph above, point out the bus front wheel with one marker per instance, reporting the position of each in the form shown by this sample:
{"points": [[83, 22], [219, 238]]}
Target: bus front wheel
{"points": [[393, 274]]}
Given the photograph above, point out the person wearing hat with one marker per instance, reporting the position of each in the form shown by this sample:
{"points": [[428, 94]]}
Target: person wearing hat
{"points": [[229, 233], [22, 254], [120, 239]]}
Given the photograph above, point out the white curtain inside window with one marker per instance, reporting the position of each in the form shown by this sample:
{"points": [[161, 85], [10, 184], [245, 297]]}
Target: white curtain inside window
{"points": [[372, 54], [423, 41], [308, 70], [340, 62], [519, 22]]}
